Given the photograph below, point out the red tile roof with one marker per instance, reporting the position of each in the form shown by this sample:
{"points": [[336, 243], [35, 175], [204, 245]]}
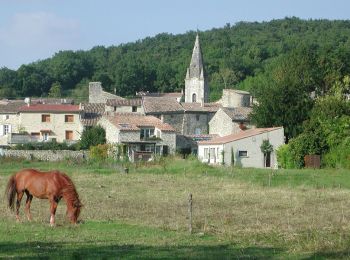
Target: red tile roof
{"points": [[49, 108], [133, 122], [241, 135]]}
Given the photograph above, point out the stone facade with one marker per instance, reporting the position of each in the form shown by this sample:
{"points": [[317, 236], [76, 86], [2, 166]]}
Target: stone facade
{"points": [[11, 122], [235, 98], [196, 85], [57, 127]]}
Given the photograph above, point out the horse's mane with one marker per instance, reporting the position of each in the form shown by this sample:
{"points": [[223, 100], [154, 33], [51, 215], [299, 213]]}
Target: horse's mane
{"points": [[69, 192]]}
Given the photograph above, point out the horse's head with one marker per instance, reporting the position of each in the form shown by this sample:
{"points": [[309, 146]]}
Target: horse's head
{"points": [[74, 212]]}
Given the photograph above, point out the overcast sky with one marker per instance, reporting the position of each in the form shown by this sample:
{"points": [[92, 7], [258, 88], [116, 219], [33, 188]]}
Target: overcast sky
{"points": [[31, 30]]}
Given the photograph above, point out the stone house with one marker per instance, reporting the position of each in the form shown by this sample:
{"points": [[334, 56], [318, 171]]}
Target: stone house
{"points": [[45, 122], [228, 121], [9, 119], [242, 148], [140, 134]]}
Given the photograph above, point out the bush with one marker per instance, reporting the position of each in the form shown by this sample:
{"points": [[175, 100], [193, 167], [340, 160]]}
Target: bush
{"points": [[339, 156], [92, 136], [52, 145], [285, 157], [99, 152]]}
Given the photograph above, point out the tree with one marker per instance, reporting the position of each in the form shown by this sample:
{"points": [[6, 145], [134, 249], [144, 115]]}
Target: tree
{"points": [[92, 136], [266, 148], [55, 90]]}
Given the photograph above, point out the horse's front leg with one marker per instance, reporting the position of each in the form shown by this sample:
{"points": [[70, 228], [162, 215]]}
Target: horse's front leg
{"points": [[27, 209], [18, 204], [53, 211]]}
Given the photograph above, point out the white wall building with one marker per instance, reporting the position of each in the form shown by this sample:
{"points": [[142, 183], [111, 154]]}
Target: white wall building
{"points": [[242, 148]]}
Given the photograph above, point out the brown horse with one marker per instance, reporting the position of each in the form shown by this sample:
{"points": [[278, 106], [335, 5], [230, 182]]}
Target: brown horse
{"points": [[52, 185]]}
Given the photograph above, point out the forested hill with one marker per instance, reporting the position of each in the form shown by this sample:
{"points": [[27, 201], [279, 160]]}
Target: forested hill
{"points": [[233, 55]]}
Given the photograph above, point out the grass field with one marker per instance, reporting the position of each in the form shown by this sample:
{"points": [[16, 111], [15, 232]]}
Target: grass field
{"points": [[237, 213]]}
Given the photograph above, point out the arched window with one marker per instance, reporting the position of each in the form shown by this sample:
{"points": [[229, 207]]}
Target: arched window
{"points": [[194, 98]]}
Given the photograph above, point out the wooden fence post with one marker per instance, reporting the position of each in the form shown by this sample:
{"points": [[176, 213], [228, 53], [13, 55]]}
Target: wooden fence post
{"points": [[190, 212]]}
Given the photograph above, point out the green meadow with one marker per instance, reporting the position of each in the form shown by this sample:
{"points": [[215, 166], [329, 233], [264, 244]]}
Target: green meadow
{"points": [[143, 214]]}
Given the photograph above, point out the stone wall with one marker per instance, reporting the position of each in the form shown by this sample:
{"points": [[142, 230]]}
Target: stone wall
{"points": [[195, 123], [175, 120], [44, 155], [220, 124]]}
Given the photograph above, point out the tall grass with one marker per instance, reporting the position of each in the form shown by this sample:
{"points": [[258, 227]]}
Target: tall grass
{"points": [[238, 212]]}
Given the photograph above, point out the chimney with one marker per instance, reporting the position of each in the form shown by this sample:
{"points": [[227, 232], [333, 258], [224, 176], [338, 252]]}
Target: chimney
{"points": [[27, 101]]}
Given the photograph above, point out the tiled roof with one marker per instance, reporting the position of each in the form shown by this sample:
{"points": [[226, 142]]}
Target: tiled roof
{"points": [[124, 102], [238, 113], [49, 108], [170, 94], [197, 107], [10, 106], [52, 101], [239, 135], [157, 105], [133, 122], [92, 113]]}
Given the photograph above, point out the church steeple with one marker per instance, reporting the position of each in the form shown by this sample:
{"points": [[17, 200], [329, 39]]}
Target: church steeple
{"points": [[196, 87], [196, 65]]}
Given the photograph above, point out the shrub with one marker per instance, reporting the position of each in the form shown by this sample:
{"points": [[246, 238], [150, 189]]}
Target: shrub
{"points": [[92, 136], [339, 156], [99, 152], [285, 158]]}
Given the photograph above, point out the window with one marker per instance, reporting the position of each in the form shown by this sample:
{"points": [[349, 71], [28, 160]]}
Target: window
{"points": [[69, 118], [146, 133], [45, 118], [134, 108], [206, 155], [194, 98], [6, 129], [197, 117], [197, 131], [212, 153], [45, 136], [69, 135], [242, 153]]}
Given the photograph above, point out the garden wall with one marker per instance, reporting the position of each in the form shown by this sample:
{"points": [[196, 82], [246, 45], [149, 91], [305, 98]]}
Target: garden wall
{"points": [[45, 155]]}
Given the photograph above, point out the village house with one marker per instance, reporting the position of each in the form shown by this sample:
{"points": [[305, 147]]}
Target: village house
{"points": [[243, 148], [143, 136], [45, 122]]}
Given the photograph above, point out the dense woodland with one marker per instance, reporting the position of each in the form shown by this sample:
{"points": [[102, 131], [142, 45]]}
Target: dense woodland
{"points": [[297, 70]]}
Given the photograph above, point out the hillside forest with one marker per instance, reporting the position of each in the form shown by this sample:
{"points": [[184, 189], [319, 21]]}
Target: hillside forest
{"points": [[297, 70]]}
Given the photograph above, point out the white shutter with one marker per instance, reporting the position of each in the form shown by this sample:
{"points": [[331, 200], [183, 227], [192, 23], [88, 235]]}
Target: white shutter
{"points": [[10, 129], [1, 130]]}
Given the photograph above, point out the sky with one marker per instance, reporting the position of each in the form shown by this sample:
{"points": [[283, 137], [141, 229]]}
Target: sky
{"points": [[32, 30]]}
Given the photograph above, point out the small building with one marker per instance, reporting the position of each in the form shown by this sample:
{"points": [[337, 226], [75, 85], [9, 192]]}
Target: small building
{"points": [[142, 135], [228, 121], [242, 149]]}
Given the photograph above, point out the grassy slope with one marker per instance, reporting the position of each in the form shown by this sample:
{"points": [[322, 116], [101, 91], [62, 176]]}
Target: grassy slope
{"points": [[237, 214]]}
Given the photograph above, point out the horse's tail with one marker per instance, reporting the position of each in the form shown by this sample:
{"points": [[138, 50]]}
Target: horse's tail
{"points": [[11, 192]]}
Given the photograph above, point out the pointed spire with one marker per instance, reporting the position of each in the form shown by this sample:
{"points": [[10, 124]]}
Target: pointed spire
{"points": [[196, 65]]}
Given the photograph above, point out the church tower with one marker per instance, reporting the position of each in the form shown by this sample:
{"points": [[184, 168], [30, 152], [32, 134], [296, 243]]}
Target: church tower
{"points": [[196, 86]]}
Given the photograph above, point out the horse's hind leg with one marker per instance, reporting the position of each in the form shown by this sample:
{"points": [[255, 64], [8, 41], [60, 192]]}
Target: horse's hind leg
{"points": [[18, 203], [27, 209], [53, 208]]}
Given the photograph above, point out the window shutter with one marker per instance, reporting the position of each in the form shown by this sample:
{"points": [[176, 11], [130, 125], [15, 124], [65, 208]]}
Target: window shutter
{"points": [[1, 130], [10, 129]]}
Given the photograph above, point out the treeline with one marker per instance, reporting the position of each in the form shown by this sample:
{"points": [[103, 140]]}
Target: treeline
{"points": [[231, 55]]}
